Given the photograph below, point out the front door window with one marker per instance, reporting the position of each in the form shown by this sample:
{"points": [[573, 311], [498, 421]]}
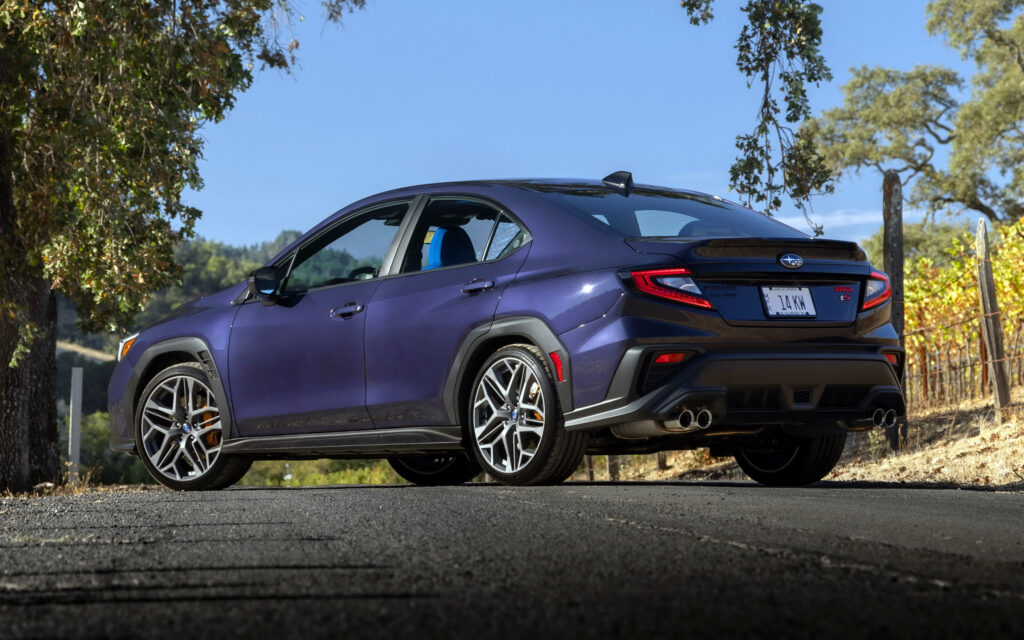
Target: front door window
{"points": [[355, 250]]}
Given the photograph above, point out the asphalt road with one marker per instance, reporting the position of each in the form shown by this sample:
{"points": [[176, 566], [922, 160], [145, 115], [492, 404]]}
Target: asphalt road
{"points": [[483, 561]]}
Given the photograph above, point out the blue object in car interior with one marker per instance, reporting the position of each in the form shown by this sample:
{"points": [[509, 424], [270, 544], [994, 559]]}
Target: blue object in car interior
{"points": [[449, 246]]}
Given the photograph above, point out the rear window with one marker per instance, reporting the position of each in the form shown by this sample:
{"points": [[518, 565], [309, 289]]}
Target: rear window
{"points": [[649, 213]]}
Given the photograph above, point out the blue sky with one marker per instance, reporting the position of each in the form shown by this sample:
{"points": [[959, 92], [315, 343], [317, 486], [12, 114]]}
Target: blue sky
{"points": [[412, 92]]}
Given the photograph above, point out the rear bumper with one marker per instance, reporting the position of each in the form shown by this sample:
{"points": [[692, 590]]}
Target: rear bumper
{"points": [[798, 386]]}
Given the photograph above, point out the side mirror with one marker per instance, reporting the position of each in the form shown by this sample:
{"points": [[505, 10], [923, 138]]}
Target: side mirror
{"points": [[265, 283]]}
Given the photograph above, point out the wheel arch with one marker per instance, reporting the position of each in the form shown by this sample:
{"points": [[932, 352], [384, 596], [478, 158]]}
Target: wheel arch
{"points": [[481, 342], [168, 353]]}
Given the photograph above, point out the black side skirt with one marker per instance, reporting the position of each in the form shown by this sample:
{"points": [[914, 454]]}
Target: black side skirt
{"points": [[368, 443]]}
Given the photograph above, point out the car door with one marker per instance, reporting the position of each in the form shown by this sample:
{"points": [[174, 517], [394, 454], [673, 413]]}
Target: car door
{"points": [[461, 254], [297, 364]]}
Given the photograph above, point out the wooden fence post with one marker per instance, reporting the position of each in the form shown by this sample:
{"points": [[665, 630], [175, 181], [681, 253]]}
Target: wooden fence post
{"points": [[662, 460], [589, 463], [991, 325], [892, 244], [613, 468], [892, 262]]}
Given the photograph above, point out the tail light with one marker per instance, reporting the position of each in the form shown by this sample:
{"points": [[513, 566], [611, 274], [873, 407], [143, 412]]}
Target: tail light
{"points": [[672, 284], [876, 291]]}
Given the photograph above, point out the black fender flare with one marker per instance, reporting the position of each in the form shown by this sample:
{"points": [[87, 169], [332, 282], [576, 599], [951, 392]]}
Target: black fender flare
{"points": [[200, 351], [474, 345]]}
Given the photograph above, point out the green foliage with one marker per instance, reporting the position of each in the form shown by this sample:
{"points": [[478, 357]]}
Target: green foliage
{"points": [[303, 473], [910, 121], [926, 239], [779, 50], [101, 105], [98, 462]]}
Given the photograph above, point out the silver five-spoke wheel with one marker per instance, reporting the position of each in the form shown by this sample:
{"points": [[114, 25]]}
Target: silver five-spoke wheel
{"points": [[508, 415], [181, 428]]}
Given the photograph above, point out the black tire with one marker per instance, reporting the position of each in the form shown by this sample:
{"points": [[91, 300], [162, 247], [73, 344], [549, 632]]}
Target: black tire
{"points": [[222, 472], [434, 471], [795, 463], [557, 453]]}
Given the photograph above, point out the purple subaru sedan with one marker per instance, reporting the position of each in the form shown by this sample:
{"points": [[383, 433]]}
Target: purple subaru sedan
{"points": [[513, 326]]}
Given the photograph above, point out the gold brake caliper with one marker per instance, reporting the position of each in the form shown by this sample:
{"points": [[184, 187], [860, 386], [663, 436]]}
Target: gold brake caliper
{"points": [[534, 392], [212, 438]]}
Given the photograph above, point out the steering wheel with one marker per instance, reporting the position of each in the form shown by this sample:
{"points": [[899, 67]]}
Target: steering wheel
{"points": [[363, 273]]}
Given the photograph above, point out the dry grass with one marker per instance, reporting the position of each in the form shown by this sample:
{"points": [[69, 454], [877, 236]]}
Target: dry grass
{"points": [[48, 489], [963, 446], [65, 487]]}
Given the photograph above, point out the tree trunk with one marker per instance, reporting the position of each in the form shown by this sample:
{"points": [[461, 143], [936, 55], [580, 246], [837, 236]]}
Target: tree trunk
{"points": [[28, 416]]}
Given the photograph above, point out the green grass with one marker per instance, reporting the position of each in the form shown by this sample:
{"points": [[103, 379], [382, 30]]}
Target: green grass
{"points": [[304, 473]]}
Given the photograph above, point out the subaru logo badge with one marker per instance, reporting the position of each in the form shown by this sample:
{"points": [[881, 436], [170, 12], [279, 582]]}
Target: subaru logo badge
{"points": [[791, 261]]}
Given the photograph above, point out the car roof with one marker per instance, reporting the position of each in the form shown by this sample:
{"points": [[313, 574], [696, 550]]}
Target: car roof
{"points": [[544, 185]]}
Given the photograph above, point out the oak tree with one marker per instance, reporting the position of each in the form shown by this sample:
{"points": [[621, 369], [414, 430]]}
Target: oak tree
{"points": [[778, 50], [957, 149], [101, 107]]}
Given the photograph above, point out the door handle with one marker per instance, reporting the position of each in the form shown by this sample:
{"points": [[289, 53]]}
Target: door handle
{"points": [[347, 310], [476, 286]]}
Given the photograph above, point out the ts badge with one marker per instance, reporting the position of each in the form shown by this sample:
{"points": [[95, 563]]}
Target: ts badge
{"points": [[844, 293]]}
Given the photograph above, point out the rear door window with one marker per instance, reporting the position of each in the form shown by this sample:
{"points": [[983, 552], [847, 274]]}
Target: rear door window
{"points": [[458, 231]]}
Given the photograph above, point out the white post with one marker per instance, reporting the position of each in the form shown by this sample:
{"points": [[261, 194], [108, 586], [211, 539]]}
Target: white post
{"points": [[75, 430]]}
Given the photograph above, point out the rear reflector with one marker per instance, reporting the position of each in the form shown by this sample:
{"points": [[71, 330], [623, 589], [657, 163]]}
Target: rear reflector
{"points": [[558, 365], [892, 358], [670, 358]]}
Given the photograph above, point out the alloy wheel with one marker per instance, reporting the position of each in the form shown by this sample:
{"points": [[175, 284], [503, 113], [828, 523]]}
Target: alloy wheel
{"points": [[508, 415], [181, 428]]}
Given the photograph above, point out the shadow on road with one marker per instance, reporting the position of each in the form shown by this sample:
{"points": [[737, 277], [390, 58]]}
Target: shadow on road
{"points": [[751, 486]]}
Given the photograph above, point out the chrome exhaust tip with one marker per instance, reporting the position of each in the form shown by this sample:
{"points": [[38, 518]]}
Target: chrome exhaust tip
{"points": [[685, 419], [878, 417], [704, 419], [890, 418]]}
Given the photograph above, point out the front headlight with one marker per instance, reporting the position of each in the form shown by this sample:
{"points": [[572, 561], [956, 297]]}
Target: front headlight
{"points": [[125, 346]]}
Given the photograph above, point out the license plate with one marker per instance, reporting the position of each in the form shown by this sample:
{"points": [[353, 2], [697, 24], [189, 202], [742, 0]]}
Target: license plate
{"points": [[788, 302]]}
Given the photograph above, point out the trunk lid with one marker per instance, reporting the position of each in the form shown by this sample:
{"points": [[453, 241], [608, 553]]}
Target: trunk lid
{"points": [[735, 274]]}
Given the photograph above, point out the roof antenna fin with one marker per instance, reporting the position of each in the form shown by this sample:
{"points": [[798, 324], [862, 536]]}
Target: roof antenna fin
{"points": [[621, 181]]}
